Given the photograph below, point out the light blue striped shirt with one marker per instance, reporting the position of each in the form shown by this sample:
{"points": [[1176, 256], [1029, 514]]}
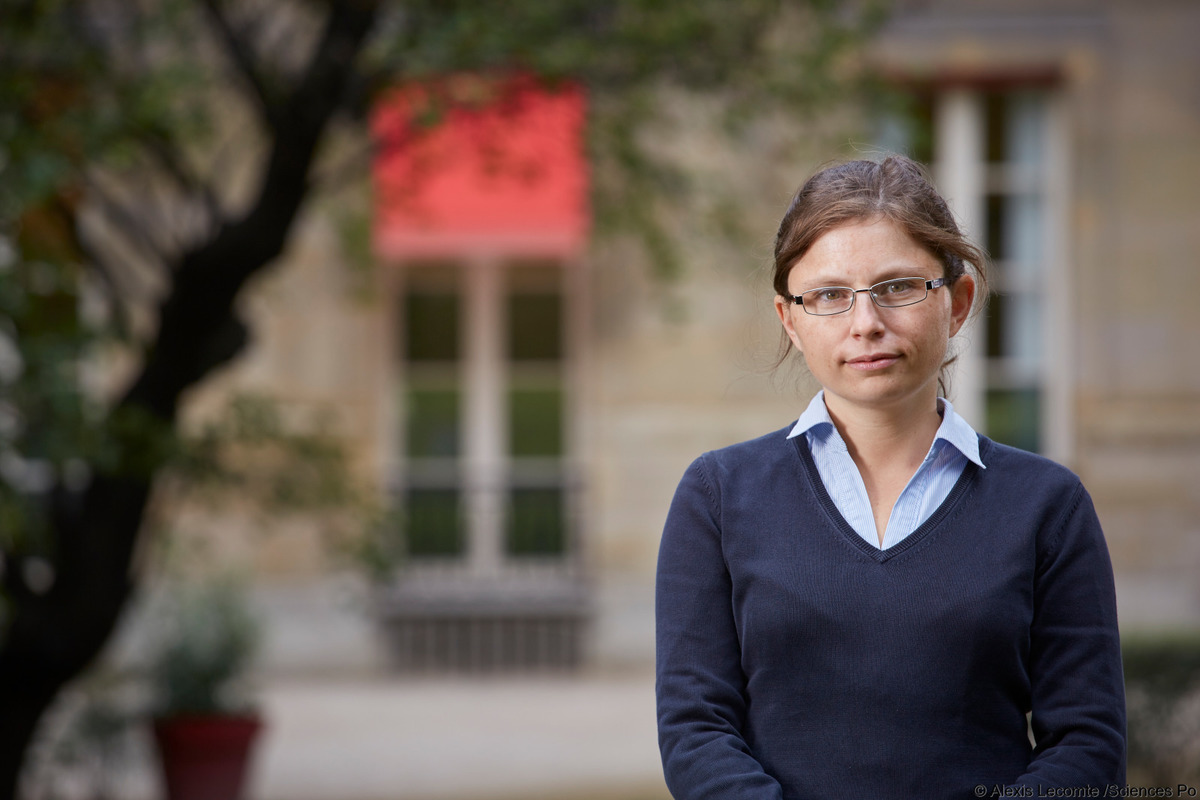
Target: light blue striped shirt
{"points": [[955, 443]]}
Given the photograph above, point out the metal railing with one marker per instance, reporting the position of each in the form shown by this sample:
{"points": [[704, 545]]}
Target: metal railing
{"points": [[505, 587]]}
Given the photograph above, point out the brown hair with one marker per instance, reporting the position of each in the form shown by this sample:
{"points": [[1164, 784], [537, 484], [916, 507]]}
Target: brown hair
{"points": [[895, 188]]}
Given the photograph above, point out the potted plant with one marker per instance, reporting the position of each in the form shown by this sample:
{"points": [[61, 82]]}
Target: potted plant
{"points": [[204, 725]]}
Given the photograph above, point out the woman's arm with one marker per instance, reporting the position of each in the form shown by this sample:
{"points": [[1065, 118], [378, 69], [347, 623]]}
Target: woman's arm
{"points": [[1078, 688], [700, 684]]}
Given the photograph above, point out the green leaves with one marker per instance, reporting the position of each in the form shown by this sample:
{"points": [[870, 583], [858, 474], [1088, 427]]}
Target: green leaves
{"points": [[761, 58], [278, 466], [208, 638], [618, 43]]}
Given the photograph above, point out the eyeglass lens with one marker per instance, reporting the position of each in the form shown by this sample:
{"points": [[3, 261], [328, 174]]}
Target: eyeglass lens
{"points": [[887, 294]]}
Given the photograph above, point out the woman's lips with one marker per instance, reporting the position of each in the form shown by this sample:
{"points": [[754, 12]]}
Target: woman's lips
{"points": [[873, 362]]}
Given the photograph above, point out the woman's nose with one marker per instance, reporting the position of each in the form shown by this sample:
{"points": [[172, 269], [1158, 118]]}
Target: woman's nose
{"points": [[865, 318]]}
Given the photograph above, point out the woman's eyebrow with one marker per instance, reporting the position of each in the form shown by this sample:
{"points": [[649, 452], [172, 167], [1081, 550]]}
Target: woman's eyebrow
{"points": [[886, 274]]}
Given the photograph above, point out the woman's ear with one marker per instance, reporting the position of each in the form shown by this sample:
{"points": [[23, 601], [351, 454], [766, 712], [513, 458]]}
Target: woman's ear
{"points": [[783, 307], [962, 295]]}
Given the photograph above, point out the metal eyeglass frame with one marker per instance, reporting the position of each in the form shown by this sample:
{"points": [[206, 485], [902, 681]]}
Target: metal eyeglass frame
{"points": [[936, 283]]}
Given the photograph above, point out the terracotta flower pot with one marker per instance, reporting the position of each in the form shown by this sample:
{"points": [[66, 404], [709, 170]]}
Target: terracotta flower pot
{"points": [[206, 757]]}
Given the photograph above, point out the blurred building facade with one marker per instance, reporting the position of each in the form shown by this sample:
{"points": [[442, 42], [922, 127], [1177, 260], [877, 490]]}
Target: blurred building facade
{"points": [[530, 403]]}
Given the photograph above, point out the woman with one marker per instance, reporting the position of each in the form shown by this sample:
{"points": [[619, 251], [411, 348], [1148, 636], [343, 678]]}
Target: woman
{"points": [[868, 604]]}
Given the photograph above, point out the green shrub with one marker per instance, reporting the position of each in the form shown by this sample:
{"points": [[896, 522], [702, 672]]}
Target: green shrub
{"points": [[209, 640], [1162, 685]]}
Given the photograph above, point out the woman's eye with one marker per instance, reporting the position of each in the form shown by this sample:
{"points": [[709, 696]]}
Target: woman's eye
{"points": [[830, 295], [899, 287]]}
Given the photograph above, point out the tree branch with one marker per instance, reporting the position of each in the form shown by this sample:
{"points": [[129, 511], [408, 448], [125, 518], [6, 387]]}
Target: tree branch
{"points": [[349, 167], [116, 293], [131, 227], [198, 327], [167, 157], [242, 55]]}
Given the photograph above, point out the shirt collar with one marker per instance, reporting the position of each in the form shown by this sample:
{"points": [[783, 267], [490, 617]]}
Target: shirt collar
{"points": [[954, 430]]}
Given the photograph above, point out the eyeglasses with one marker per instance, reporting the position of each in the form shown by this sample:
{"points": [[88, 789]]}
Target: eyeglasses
{"points": [[895, 293]]}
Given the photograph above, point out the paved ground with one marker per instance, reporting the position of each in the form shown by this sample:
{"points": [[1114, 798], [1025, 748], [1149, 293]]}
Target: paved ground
{"points": [[590, 737]]}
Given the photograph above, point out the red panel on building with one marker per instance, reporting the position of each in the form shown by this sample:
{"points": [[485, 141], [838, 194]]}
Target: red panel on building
{"points": [[479, 167]]}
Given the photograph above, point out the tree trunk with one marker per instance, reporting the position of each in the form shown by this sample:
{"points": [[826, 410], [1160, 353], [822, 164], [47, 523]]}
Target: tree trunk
{"points": [[53, 636], [50, 638], [23, 708]]}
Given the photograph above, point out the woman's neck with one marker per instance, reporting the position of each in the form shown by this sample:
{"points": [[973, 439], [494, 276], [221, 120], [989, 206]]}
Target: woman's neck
{"points": [[892, 437]]}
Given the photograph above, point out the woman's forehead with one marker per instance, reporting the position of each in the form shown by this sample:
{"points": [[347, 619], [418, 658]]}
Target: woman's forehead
{"points": [[863, 250]]}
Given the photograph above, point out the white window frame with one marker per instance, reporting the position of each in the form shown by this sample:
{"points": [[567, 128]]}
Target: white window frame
{"points": [[961, 172], [481, 285]]}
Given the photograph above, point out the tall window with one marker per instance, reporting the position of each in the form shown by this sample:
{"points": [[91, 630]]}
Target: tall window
{"points": [[431, 407], [536, 516], [484, 474], [1015, 235], [997, 157], [483, 471]]}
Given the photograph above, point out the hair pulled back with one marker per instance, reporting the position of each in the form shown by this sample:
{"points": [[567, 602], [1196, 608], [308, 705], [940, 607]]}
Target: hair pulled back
{"points": [[896, 189]]}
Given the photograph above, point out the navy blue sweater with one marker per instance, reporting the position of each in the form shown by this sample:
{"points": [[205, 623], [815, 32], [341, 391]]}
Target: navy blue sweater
{"points": [[796, 661]]}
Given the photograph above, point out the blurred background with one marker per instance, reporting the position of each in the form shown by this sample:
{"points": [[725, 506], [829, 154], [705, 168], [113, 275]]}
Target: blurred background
{"points": [[350, 354]]}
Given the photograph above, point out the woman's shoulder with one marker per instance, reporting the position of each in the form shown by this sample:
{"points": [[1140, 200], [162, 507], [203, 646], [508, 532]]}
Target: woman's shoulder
{"points": [[743, 470], [1002, 460], [749, 460], [754, 450]]}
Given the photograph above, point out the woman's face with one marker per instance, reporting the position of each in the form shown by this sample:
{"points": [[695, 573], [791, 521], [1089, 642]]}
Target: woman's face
{"points": [[872, 357]]}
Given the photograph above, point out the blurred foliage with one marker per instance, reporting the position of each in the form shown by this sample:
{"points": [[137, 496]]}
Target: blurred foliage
{"points": [[251, 452], [154, 155], [93, 739], [117, 156], [1162, 685], [206, 642], [762, 58], [63, 108]]}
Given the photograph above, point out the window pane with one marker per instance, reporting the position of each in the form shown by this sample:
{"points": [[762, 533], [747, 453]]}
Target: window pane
{"points": [[1014, 417], [1024, 237], [536, 522], [432, 522], [1014, 330], [535, 326], [432, 424], [996, 127], [1023, 341], [1026, 112], [903, 123], [431, 326], [995, 239], [535, 421], [1014, 124], [1015, 233], [997, 317]]}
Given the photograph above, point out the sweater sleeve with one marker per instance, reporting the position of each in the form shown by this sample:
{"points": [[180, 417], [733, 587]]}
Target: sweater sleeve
{"points": [[1077, 683], [700, 685]]}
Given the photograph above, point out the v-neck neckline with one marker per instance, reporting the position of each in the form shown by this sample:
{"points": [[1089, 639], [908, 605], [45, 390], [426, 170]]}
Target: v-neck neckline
{"points": [[846, 530]]}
